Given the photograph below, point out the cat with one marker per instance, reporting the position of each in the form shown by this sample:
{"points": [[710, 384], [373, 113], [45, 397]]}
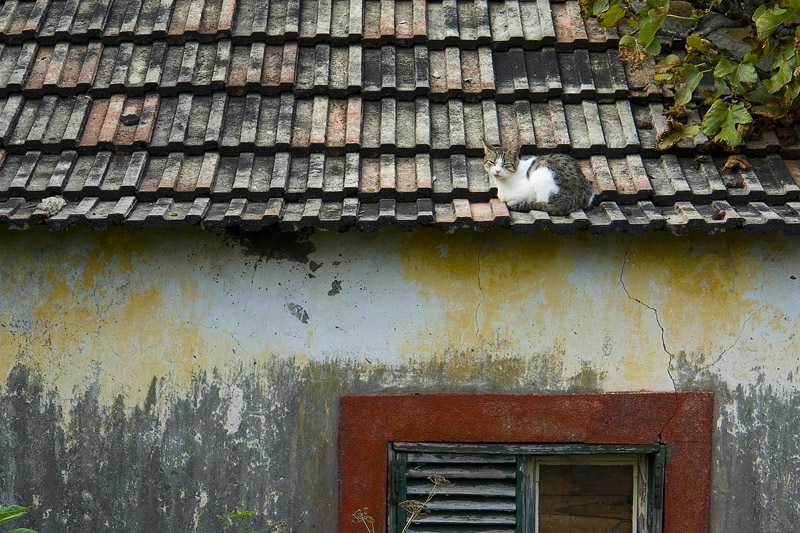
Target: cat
{"points": [[551, 183]]}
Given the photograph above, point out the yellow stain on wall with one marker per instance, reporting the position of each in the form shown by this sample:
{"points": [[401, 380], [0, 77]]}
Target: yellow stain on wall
{"points": [[588, 300], [117, 307]]}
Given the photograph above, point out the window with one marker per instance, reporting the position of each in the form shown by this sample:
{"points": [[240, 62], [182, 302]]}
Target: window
{"points": [[513, 488], [680, 422]]}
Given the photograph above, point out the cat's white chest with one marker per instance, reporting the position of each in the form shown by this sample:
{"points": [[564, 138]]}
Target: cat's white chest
{"points": [[520, 187]]}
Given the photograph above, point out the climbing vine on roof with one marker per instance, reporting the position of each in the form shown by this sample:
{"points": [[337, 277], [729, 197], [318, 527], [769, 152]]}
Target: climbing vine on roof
{"points": [[748, 52]]}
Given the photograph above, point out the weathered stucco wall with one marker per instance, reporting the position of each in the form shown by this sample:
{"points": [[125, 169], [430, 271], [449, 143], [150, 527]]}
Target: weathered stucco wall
{"points": [[150, 380]]}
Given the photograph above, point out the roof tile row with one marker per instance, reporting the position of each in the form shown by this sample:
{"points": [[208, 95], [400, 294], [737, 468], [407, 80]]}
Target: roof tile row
{"points": [[100, 70], [438, 23], [108, 175], [641, 217], [234, 124]]}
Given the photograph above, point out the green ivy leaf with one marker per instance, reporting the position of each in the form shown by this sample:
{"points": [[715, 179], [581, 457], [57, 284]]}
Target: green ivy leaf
{"points": [[676, 135], [692, 76], [782, 68], [736, 73], [769, 110], [12, 512], [695, 42], [599, 6], [720, 122], [654, 48], [723, 68], [613, 17], [22, 530], [768, 20], [762, 96], [647, 33]]}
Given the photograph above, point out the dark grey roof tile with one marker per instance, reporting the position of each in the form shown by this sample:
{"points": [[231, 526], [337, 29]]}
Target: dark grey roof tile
{"points": [[9, 207], [267, 122], [121, 209], [25, 59], [96, 174], [280, 173], [36, 134], [242, 177], [180, 121], [24, 172], [473, 126], [185, 72], [232, 124], [73, 188], [132, 173], [643, 217], [61, 171], [136, 72], [759, 218], [439, 128], [387, 175], [388, 124], [422, 123], [224, 178], [105, 70], [162, 123], [774, 176], [322, 67], [25, 118], [249, 123], [216, 119], [170, 175], [38, 180], [155, 66], [214, 217]]}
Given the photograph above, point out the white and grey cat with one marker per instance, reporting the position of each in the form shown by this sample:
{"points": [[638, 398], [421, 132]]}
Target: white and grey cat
{"points": [[551, 182]]}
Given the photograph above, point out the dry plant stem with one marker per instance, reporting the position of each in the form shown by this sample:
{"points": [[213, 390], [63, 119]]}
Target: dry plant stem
{"points": [[437, 480]]}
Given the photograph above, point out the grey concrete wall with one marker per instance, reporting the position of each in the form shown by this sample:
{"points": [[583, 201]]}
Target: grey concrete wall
{"points": [[151, 380]]}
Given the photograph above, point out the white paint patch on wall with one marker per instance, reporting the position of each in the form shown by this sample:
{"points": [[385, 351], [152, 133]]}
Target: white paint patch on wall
{"points": [[236, 406]]}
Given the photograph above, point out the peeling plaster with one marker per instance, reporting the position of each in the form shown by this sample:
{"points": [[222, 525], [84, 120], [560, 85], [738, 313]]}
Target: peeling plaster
{"points": [[192, 376]]}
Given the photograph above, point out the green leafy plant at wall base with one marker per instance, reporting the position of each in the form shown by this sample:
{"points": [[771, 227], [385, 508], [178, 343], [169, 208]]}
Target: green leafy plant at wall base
{"points": [[749, 90], [234, 522], [11, 513]]}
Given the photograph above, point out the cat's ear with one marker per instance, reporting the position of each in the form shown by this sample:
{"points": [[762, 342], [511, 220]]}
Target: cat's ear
{"points": [[514, 150], [487, 147]]}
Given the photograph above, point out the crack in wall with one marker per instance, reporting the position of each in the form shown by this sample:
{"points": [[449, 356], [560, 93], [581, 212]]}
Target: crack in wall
{"points": [[655, 313], [749, 316], [663, 338], [744, 325]]}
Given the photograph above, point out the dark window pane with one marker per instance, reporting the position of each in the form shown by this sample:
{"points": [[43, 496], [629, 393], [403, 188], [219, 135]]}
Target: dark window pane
{"points": [[585, 498]]}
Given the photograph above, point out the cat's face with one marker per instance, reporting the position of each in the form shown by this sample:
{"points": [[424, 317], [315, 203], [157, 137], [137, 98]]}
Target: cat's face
{"points": [[500, 162]]}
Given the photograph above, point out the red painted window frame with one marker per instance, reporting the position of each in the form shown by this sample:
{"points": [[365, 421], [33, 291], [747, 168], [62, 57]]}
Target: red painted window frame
{"points": [[682, 421]]}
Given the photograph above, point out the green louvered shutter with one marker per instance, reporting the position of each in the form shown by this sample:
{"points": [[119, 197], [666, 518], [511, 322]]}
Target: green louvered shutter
{"points": [[494, 488], [481, 496]]}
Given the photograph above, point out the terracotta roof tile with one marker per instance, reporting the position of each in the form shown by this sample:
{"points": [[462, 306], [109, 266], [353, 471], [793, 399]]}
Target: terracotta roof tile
{"points": [[344, 113]]}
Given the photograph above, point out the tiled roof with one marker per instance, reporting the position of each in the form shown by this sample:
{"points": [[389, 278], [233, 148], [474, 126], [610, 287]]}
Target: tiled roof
{"points": [[340, 113]]}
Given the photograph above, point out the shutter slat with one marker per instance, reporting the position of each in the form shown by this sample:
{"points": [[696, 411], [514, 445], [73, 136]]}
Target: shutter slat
{"points": [[463, 487], [452, 503], [471, 471], [471, 518], [432, 528], [460, 458]]}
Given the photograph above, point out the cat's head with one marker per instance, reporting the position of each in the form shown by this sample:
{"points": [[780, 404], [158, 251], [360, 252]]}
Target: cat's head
{"points": [[500, 162]]}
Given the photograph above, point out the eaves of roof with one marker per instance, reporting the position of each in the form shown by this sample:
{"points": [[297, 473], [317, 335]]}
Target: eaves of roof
{"points": [[342, 113]]}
